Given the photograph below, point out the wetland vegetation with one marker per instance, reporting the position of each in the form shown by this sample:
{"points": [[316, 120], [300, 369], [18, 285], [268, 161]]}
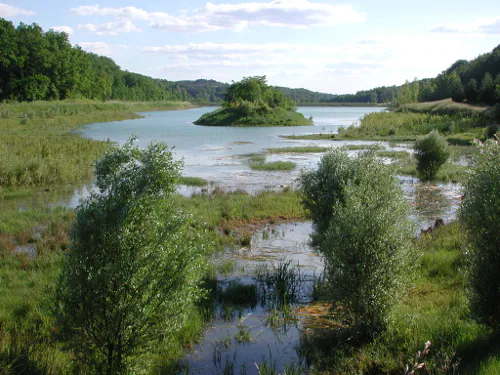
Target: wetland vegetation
{"points": [[133, 279]]}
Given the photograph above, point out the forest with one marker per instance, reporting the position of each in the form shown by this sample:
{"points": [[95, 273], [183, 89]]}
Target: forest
{"points": [[42, 65]]}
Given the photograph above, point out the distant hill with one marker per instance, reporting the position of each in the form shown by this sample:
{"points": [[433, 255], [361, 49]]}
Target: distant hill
{"points": [[211, 91]]}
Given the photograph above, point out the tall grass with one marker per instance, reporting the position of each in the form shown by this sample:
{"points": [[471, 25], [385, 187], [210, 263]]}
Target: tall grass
{"points": [[28, 160], [443, 107], [36, 149]]}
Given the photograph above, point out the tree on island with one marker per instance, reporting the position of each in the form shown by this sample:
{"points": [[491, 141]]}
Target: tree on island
{"points": [[251, 102], [256, 90]]}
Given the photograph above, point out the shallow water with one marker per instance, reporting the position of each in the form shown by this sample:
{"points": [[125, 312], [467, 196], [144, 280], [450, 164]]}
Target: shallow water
{"points": [[214, 153], [269, 342]]}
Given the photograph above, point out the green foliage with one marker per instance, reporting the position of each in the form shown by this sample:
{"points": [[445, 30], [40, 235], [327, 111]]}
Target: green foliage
{"points": [[367, 244], [406, 126], [129, 281], [42, 65], [322, 188], [408, 93], [431, 153], [481, 215], [255, 90]]}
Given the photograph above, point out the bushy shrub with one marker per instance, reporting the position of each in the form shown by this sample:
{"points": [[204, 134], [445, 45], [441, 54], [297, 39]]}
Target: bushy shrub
{"points": [[431, 153], [322, 188], [480, 212], [360, 210], [131, 277]]}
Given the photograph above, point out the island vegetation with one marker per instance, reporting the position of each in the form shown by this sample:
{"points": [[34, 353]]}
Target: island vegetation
{"points": [[251, 102]]}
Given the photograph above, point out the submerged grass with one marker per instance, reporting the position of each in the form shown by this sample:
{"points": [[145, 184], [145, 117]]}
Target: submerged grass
{"points": [[303, 149], [193, 181], [273, 166], [229, 210]]}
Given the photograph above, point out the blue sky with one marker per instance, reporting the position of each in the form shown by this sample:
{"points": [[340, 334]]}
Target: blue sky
{"points": [[322, 45]]}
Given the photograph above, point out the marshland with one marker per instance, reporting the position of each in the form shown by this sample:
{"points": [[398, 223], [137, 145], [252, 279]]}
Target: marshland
{"points": [[142, 232]]}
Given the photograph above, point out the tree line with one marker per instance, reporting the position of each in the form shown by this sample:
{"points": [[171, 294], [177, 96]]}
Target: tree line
{"points": [[475, 82], [43, 65]]}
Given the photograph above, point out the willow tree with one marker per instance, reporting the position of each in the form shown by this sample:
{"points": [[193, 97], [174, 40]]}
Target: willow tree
{"points": [[132, 273], [363, 232]]}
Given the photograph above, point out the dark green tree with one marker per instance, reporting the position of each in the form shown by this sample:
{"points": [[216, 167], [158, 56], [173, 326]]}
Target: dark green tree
{"points": [[365, 260], [480, 214], [132, 273]]}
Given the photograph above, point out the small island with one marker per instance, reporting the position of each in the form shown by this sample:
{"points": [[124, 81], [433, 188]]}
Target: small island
{"points": [[251, 102]]}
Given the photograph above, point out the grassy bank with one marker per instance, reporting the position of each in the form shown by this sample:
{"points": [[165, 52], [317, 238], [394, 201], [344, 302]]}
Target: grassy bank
{"points": [[444, 107], [37, 148], [460, 123], [408, 126]]}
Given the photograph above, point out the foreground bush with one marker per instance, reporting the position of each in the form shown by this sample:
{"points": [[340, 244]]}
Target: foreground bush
{"points": [[362, 215], [431, 153], [131, 276], [480, 212], [322, 188]]}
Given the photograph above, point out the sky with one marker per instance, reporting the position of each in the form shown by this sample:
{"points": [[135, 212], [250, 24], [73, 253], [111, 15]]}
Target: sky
{"points": [[328, 46]]}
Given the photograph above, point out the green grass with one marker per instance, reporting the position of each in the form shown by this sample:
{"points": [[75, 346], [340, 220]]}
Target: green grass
{"points": [[36, 148], [312, 137], [227, 210], [273, 166], [193, 181], [231, 116], [443, 107], [459, 127], [303, 149]]}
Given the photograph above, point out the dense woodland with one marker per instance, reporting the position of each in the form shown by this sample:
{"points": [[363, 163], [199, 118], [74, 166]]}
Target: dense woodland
{"points": [[42, 65]]}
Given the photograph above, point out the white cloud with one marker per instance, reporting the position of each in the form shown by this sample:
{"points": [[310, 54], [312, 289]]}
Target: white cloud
{"points": [[110, 28], [489, 26], [209, 48], [270, 58], [99, 48], [278, 13], [68, 30], [10, 11]]}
